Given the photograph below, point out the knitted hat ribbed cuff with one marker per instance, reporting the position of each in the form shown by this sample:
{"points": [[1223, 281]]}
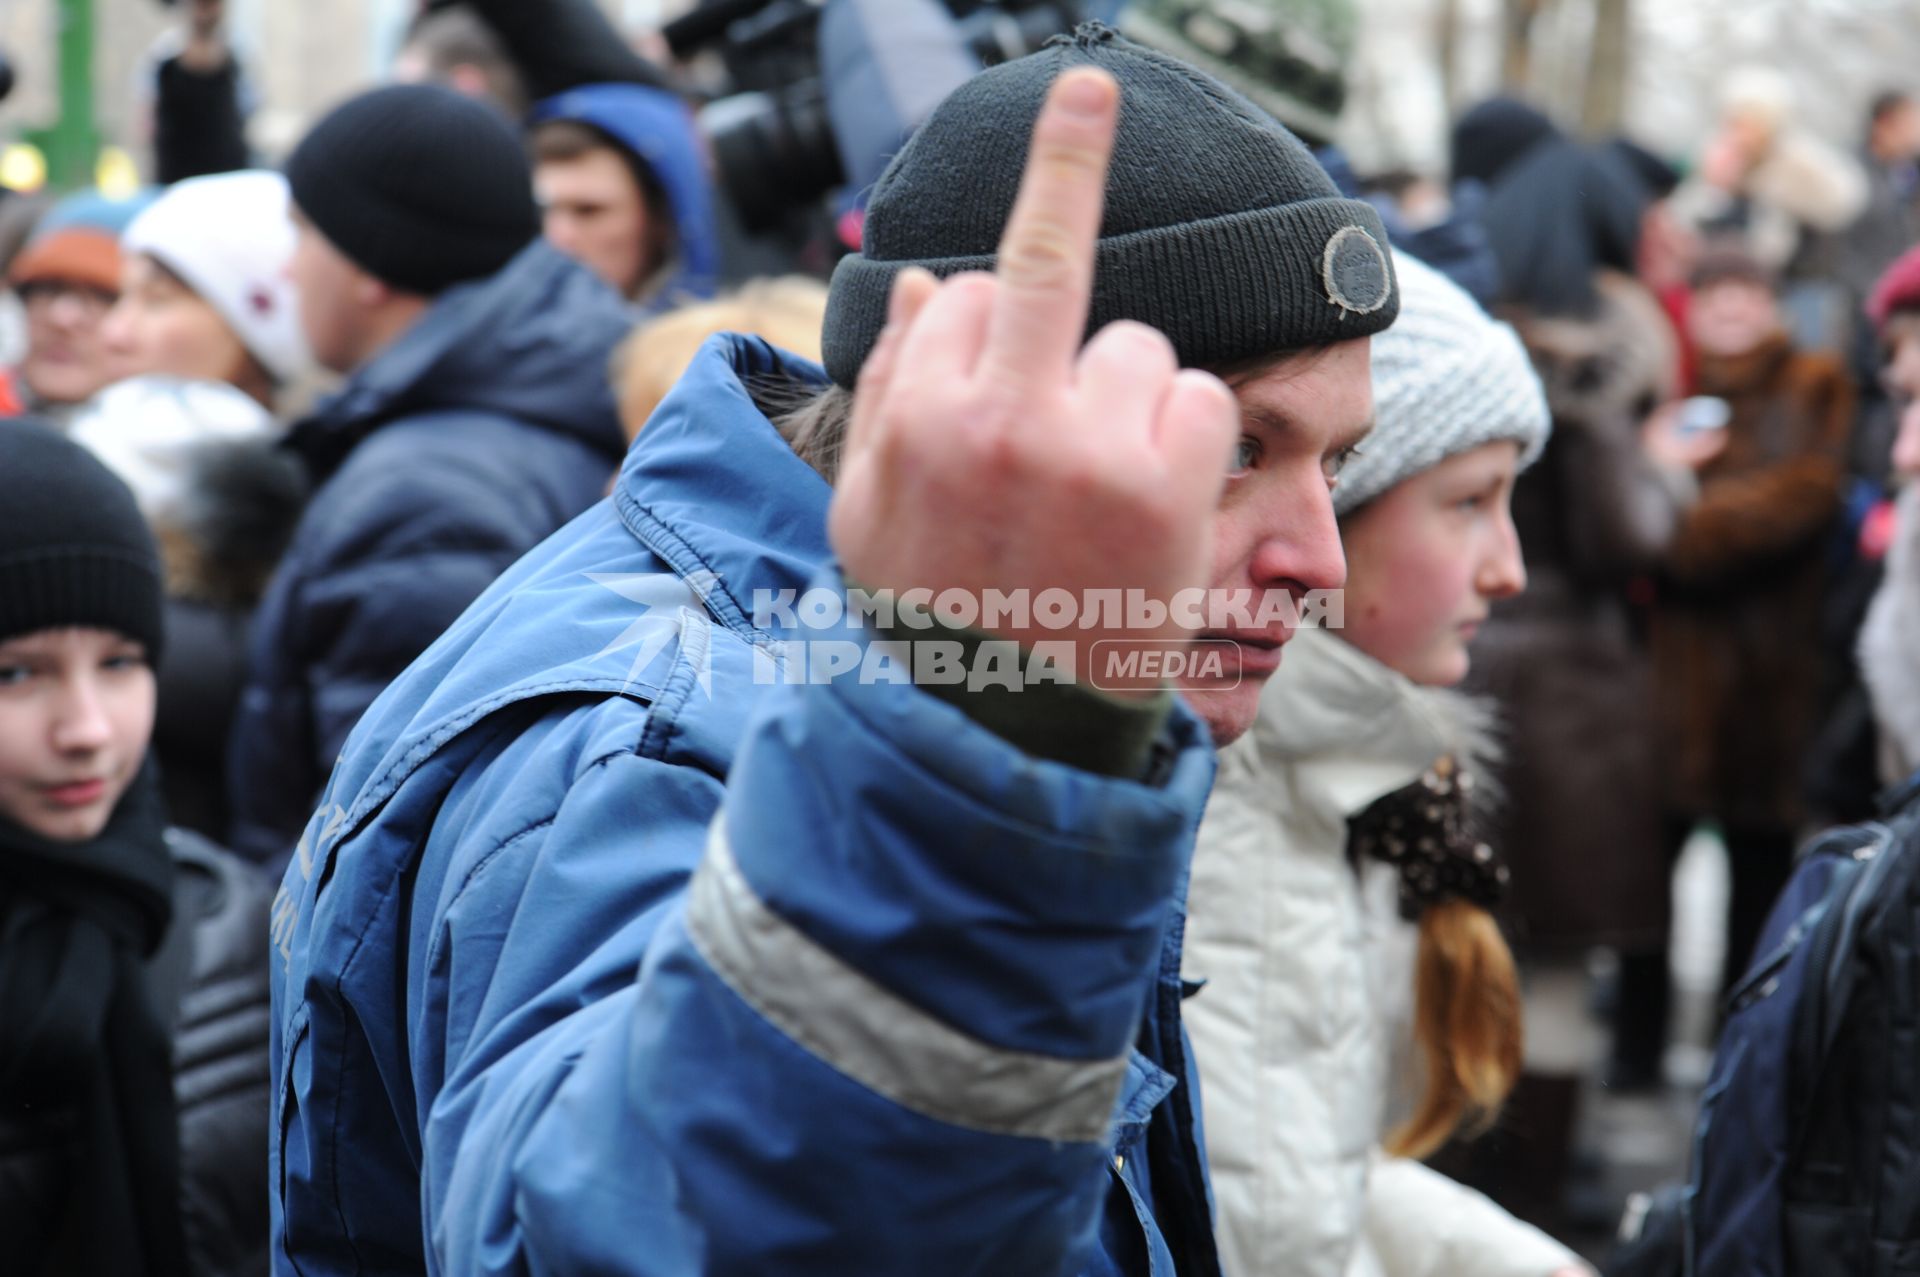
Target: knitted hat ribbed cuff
{"points": [[1223, 290], [1469, 411], [81, 586]]}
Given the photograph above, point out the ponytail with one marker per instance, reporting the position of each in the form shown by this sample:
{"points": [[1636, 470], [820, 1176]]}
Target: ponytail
{"points": [[1467, 1026]]}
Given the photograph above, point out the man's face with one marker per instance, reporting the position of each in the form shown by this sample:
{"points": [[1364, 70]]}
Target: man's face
{"points": [[1896, 135], [1275, 531], [596, 214], [1902, 376], [329, 288], [66, 360]]}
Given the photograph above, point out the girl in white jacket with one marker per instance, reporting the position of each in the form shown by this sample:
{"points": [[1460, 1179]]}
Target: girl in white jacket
{"points": [[1338, 904]]}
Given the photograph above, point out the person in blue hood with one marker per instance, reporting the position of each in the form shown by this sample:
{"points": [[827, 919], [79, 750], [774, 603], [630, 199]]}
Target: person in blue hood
{"points": [[623, 188], [474, 420], [657, 921]]}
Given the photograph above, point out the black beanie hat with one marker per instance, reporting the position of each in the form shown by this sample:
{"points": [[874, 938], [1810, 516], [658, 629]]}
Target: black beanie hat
{"points": [[73, 547], [1492, 137], [1220, 228], [420, 187]]}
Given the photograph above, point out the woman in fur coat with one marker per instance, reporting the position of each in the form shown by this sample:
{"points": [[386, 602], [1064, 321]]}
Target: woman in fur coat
{"points": [[1338, 906], [1736, 638]]}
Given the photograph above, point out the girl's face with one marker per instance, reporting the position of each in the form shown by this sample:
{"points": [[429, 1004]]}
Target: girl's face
{"points": [[76, 713], [160, 325], [1427, 558]]}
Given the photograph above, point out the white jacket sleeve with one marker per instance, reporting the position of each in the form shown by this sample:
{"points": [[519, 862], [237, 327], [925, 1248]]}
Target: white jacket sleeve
{"points": [[1811, 182], [1422, 1224]]}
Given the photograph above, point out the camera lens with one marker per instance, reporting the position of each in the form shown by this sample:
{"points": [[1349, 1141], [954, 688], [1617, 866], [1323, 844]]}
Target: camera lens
{"points": [[774, 150]]}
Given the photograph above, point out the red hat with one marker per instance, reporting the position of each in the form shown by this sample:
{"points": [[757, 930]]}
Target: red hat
{"points": [[72, 255], [1898, 289]]}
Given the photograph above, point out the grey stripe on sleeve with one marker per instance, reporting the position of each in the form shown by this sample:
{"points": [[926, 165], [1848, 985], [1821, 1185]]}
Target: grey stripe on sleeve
{"points": [[879, 1039]]}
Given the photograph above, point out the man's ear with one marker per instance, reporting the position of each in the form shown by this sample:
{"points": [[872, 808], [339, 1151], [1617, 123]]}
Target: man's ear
{"points": [[469, 79], [370, 293]]}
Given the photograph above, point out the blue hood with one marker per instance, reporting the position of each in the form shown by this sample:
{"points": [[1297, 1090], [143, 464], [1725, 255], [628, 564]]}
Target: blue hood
{"points": [[655, 128], [530, 343]]}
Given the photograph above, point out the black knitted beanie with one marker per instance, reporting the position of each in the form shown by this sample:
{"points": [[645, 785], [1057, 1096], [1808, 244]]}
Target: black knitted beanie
{"points": [[1220, 230], [419, 186], [74, 550]]}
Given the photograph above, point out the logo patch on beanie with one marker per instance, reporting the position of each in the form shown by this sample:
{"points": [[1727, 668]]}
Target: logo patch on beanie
{"points": [[1355, 271]]}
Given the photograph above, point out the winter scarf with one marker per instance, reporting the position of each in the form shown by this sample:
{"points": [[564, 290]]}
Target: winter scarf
{"points": [[87, 1031]]}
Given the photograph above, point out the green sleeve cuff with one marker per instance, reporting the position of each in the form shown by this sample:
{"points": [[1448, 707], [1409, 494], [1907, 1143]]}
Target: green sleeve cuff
{"points": [[1068, 723]]}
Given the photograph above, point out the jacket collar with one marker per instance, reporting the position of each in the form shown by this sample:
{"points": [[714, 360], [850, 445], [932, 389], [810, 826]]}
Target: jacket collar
{"points": [[1364, 728], [529, 341], [713, 489]]}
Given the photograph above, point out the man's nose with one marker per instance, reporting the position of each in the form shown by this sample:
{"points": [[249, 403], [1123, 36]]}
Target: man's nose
{"points": [[1301, 546]]}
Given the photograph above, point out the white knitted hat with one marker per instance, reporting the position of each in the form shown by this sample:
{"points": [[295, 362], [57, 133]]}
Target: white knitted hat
{"points": [[1446, 378], [229, 238]]}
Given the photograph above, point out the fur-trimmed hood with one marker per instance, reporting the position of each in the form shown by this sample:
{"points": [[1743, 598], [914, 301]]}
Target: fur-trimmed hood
{"points": [[1890, 645], [1363, 728], [237, 507], [1619, 363]]}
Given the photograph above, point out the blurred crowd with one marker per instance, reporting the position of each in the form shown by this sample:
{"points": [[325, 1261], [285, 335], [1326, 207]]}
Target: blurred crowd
{"points": [[336, 398]]}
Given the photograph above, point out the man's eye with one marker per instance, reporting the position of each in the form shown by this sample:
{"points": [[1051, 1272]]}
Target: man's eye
{"points": [[13, 675], [1246, 456], [1338, 461]]}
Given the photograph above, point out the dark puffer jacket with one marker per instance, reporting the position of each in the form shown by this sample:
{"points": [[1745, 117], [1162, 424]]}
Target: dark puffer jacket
{"points": [[215, 957], [468, 441]]}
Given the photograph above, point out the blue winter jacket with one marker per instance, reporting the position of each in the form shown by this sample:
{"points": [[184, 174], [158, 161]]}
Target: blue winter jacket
{"points": [[656, 129], [468, 441], [607, 951]]}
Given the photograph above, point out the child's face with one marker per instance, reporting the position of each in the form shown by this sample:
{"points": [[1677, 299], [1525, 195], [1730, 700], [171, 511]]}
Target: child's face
{"points": [[76, 713], [1427, 558]]}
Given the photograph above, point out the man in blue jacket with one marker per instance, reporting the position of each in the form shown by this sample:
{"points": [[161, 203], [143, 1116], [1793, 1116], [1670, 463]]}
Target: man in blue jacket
{"points": [[473, 422], [650, 926]]}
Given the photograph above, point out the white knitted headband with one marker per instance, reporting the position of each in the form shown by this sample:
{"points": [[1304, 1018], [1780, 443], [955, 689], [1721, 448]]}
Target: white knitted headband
{"points": [[1447, 378]]}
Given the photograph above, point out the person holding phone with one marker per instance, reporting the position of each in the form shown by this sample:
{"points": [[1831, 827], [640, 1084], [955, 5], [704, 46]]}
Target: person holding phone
{"points": [[1736, 638]]}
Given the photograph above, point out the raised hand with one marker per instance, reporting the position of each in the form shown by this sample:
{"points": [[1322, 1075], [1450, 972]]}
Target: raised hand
{"points": [[988, 450]]}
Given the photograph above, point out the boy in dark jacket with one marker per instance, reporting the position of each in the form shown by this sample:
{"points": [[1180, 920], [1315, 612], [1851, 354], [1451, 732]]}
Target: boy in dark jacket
{"points": [[133, 957], [474, 421]]}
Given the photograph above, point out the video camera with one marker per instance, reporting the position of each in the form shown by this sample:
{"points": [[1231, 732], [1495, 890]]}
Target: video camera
{"points": [[772, 136]]}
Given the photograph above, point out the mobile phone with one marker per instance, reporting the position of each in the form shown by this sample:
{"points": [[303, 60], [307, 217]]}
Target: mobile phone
{"points": [[1704, 413]]}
